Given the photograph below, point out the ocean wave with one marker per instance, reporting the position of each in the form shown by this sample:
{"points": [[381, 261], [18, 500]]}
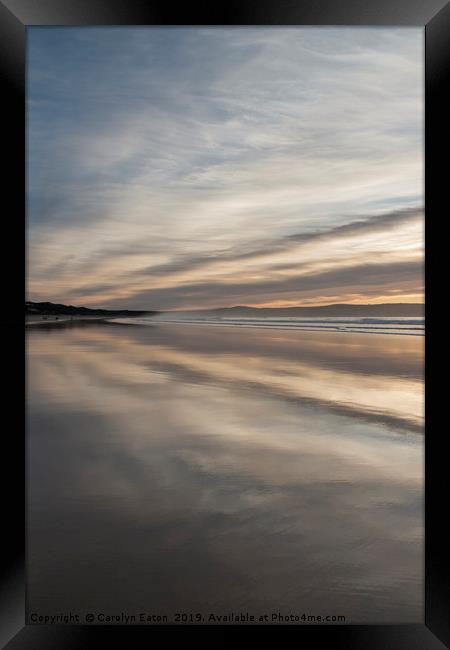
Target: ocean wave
{"points": [[401, 326]]}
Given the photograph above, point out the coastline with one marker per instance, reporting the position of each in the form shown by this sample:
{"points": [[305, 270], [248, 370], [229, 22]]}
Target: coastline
{"points": [[398, 326], [61, 320], [389, 329]]}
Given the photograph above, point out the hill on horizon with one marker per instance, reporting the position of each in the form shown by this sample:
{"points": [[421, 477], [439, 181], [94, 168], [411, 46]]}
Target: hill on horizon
{"points": [[337, 309]]}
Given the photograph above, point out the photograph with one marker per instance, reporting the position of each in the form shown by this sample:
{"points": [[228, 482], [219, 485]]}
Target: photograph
{"points": [[225, 325]]}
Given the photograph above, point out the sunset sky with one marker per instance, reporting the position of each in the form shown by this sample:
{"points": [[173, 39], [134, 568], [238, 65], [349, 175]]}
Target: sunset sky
{"points": [[179, 168]]}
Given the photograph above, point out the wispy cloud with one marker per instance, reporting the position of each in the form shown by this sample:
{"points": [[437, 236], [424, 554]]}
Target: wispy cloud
{"points": [[183, 167]]}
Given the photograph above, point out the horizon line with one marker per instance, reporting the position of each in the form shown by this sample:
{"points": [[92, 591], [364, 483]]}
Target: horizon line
{"points": [[317, 306]]}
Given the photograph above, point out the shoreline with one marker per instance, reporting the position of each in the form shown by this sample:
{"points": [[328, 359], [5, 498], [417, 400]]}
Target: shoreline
{"points": [[62, 320], [278, 326]]}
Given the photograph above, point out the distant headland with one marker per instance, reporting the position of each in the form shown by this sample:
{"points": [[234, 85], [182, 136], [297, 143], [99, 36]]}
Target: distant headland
{"points": [[53, 309], [340, 309]]}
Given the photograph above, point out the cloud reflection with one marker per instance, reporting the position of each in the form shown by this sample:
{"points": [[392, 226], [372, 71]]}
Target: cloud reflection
{"points": [[170, 471]]}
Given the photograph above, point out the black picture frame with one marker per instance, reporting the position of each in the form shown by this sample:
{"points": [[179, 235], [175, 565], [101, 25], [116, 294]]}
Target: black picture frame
{"points": [[15, 17]]}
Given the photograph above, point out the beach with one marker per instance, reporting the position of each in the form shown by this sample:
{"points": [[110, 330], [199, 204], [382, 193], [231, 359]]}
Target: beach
{"points": [[178, 467]]}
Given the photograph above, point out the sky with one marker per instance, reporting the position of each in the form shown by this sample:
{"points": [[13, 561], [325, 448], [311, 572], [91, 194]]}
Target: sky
{"points": [[195, 167]]}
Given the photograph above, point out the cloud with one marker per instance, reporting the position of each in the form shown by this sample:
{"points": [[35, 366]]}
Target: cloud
{"points": [[373, 279], [159, 152]]}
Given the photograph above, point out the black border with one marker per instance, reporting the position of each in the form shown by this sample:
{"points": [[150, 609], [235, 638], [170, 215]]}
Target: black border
{"points": [[15, 16]]}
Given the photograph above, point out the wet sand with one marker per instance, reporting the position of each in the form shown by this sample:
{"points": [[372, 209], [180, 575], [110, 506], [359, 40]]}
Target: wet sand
{"points": [[178, 468]]}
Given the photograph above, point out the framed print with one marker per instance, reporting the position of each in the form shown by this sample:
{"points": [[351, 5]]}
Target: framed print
{"points": [[219, 413]]}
